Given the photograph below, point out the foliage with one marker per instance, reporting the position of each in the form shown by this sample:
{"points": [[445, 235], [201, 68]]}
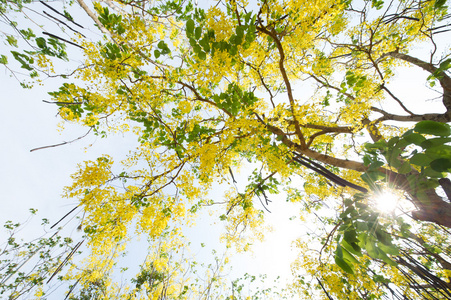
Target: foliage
{"points": [[423, 167], [27, 266], [207, 90]]}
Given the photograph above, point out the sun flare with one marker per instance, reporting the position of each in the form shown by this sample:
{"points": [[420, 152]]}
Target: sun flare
{"points": [[386, 202]]}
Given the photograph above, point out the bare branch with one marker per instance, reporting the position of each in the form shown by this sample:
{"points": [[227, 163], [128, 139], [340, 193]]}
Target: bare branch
{"points": [[412, 118], [63, 143], [48, 6]]}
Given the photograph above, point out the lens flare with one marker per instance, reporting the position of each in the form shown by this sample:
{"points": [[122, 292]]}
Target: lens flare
{"points": [[386, 202]]}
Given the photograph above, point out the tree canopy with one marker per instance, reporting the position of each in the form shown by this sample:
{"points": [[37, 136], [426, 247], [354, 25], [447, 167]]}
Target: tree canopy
{"points": [[294, 89]]}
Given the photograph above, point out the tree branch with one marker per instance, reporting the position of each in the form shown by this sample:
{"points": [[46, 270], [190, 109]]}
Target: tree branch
{"points": [[94, 18], [283, 72], [444, 118], [396, 99], [63, 143], [443, 78]]}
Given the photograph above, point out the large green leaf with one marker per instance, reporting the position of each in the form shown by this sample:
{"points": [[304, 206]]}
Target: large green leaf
{"points": [[405, 168], [371, 248], [443, 151], [350, 236], [432, 127], [429, 171], [352, 248], [420, 159], [383, 237], [441, 164], [347, 256], [382, 255], [434, 142], [344, 265], [390, 249], [415, 138]]}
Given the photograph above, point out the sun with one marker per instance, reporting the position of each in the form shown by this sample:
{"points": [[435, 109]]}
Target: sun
{"points": [[386, 201]]}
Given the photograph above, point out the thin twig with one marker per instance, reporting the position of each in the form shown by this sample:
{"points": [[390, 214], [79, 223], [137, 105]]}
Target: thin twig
{"points": [[64, 216], [64, 40], [66, 260], [50, 16], [48, 6], [63, 143], [328, 296], [72, 288], [63, 103]]}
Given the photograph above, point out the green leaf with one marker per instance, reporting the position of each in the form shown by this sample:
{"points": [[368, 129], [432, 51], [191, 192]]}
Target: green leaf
{"points": [[352, 248], [432, 127], [250, 35], [371, 177], [192, 42], [371, 248], [23, 59], [198, 32], [11, 40], [375, 165], [410, 131], [405, 168], [162, 45], [197, 49], [383, 237], [202, 55], [402, 143], [412, 179], [445, 65], [350, 236], [156, 53], [349, 257], [68, 15], [390, 249], [420, 159], [434, 142], [239, 35], [439, 151], [439, 4], [378, 4], [41, 42], [391, 142], [3, 60], [190, 26], [205, 44], [361, 226], [415, 138], [339, 251], [344, 265], [381, 144], [27, 34], [392, 158], [382, 255], [432, 173], [429, 184], [441, 164]]}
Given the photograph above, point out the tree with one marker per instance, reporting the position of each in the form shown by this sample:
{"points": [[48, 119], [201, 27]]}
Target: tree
{"points": [[206, 90], [27, 266]]}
